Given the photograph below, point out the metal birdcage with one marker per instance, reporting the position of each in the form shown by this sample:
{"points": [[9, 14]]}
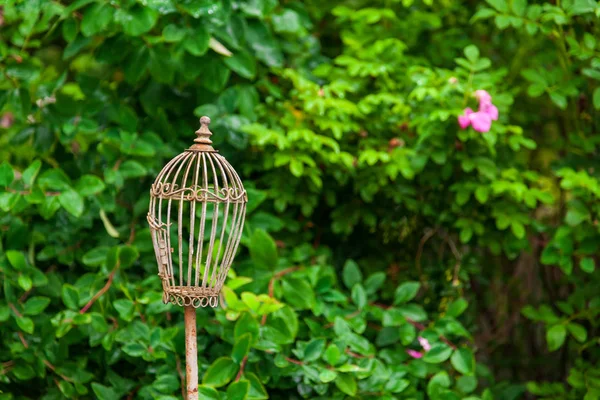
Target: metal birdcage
{"points": [[196, 216]]}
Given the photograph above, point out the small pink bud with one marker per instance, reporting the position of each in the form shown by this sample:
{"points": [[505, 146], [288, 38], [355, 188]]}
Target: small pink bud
{"points": [[453, 80], [414, 353], [424, 343]]}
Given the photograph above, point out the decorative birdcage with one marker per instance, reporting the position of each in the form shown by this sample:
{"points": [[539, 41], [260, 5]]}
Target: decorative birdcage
{"points": [[196, 216]]}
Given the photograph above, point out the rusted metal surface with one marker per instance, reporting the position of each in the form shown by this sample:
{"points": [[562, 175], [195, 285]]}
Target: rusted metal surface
{"points": [[196, 216], [191, 353]]}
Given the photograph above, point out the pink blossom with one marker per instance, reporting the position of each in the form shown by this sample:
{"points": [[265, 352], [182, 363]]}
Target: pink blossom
{"points": [[424, 343], [463, 120], [483, 96], [490, 110], [414, 353], [481, 121]]}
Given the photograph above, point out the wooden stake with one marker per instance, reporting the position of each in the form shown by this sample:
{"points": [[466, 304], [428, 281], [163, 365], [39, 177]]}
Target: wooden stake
{"points": [[191, 353]]}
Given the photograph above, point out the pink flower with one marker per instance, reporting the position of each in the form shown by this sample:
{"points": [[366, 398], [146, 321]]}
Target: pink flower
{"points": [[424, 343], [483, 96], [490, 110], [481, 121], [414, 353], [463, 120]]}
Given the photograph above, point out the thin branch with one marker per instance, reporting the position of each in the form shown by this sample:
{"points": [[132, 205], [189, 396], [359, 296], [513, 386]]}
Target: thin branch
{"points": [[241, 371], [27, 192], [422, 242], [12, 307], [181, 376], [458, 257], [53, 368], [293, 361], [101, 291], [356, 355], [275, 277]]}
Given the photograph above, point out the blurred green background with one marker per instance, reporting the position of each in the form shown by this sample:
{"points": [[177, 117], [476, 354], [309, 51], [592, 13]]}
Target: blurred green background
{"points": [[387, 254]]}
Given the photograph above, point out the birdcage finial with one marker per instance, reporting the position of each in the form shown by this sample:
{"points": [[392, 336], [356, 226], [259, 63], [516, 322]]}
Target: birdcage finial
{"points": [[202, 141]]}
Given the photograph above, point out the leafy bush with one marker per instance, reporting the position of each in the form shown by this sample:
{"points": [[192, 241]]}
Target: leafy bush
{"points": [[385, 249]]}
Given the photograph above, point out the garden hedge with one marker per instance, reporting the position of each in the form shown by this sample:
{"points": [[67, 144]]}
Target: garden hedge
{"points": [[423, 189]]}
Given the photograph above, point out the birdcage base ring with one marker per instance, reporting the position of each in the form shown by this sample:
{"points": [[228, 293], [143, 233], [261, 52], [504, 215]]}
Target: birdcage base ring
{"points": [[185, 296]]}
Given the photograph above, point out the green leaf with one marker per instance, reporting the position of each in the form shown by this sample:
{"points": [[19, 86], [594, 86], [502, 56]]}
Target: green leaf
{"points": [[407, 333], [173, 33], [332, 355], [30, 173], [26, 324], [327, 375], [438, 354], [314, 349], [346, 383], [138, 20], [414, 312], [16, 259], [457, 307], [587, 264], [215, 75], [208, 393], [125, 308], [238, 390], [96, 18], [135, 67], [374, 282], [241, 347], [104, 392], [6, 174], [463, 361], [135, 349], [23, 372], [257, 390], [578, 331], [472, 53], [263, 250], [351, 274], [70, 296], [559, 99], [35, 305], [499, 5], [197, 40], [263, 44], [246, 324], [519, 7], [298, 293], [406, 292], [555, 336], [25, 282], [220, 372], [166, 383], [95, 257], [359, 296], [71, 201], [89, 185], [467, 384]]}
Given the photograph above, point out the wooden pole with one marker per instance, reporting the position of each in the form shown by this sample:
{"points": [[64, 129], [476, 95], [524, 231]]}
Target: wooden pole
{"points": [[191, 353]]}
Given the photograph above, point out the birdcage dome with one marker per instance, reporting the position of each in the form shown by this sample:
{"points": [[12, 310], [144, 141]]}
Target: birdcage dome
{"points": [[196, 215]]}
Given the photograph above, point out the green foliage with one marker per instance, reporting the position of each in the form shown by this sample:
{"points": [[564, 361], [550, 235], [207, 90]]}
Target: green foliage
{"points": [[385, 249]]}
